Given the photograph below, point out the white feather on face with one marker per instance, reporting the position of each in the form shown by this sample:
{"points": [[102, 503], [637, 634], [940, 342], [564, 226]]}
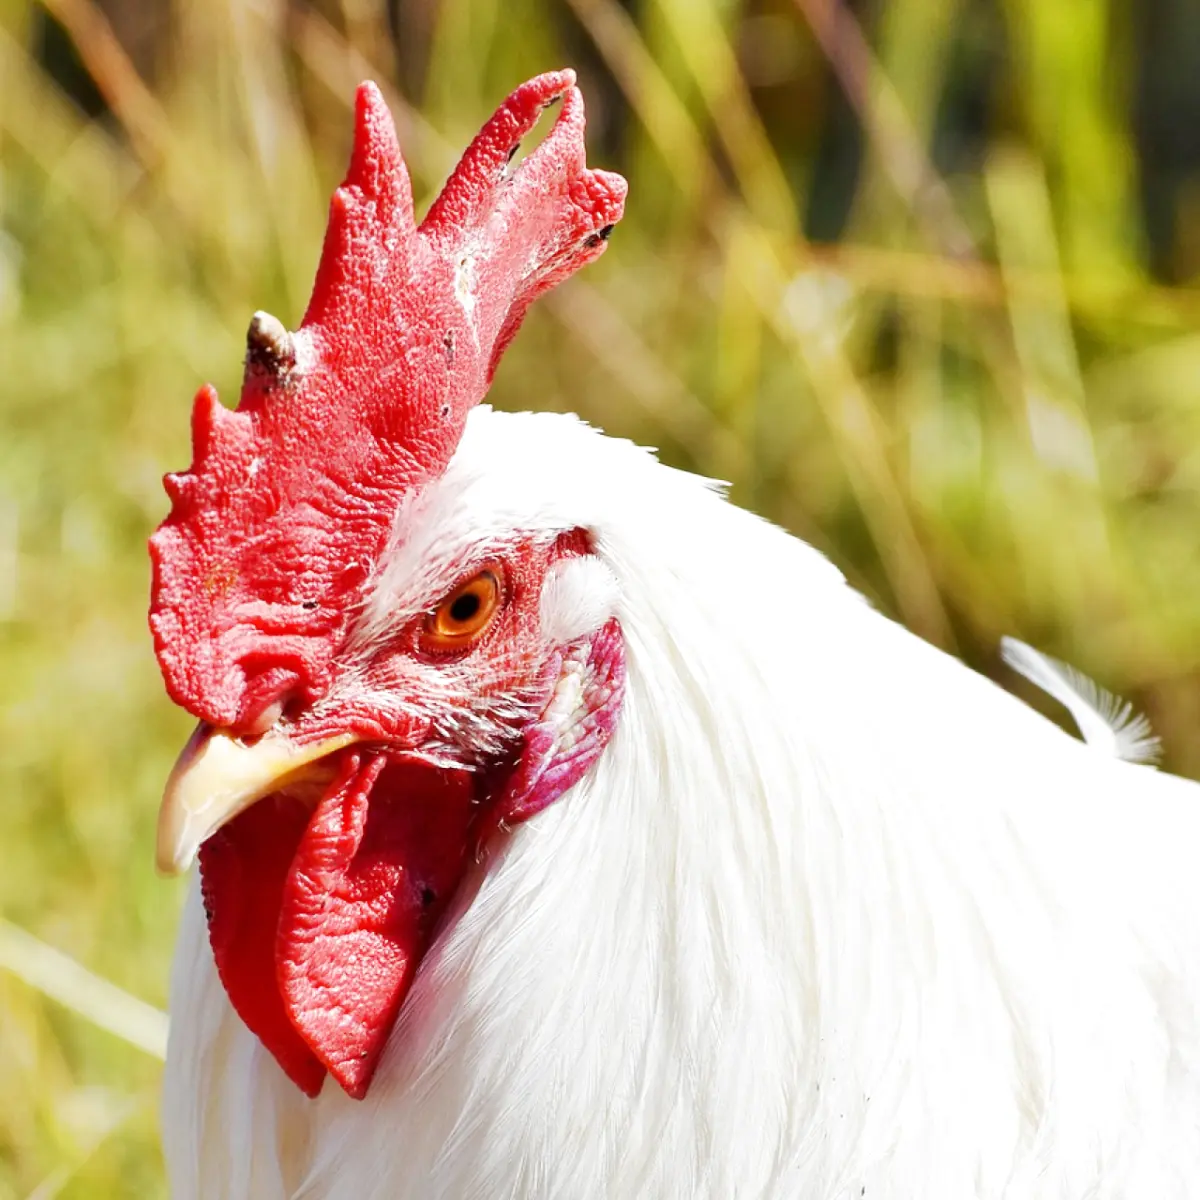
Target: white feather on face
{"points": [[578, 596], [831, 916]]}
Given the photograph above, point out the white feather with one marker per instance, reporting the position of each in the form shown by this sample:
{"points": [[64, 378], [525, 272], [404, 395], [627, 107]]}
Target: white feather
{"points": [[832, 917], [1105, 721], [578, 596]]}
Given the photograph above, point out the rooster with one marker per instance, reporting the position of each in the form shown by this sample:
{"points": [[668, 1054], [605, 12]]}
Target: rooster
{"points": [[565, 831]]}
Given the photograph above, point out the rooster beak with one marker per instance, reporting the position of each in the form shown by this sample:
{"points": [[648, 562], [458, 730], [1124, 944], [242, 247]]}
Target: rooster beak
{"points": [[218, 776]]}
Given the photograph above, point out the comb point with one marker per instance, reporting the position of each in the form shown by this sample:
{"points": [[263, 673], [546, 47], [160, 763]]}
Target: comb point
{"points": [[377, 169], [468, 197]]}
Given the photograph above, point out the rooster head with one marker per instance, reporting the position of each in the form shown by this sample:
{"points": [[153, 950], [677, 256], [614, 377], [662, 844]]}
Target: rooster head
{"points": [[378, 694]]}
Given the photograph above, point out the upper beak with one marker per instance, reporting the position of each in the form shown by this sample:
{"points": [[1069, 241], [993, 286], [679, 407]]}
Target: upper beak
{"points": [[218, 776]]}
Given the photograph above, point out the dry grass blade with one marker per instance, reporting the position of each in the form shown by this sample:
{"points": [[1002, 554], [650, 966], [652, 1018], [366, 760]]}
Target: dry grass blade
{"points": [[933, 277], [648, 90], [845, 403], [712, 62], [116, 77], [619, 349], [341, 66], [60, 1178], [60, 977], [886, 124]]}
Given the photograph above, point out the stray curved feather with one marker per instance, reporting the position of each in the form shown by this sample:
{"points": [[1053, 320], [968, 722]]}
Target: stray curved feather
{"points": [[1105, 721]]}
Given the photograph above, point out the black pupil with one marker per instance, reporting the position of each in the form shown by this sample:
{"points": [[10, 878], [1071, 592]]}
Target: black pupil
{"points": [[464, 607]]}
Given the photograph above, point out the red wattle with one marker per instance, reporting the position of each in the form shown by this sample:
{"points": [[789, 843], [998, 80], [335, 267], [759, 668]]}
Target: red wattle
{"points": [[318, 923], [382, 855], [243, 869]]}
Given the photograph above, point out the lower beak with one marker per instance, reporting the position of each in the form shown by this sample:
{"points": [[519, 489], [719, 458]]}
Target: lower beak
{"points": [[218, 776]]}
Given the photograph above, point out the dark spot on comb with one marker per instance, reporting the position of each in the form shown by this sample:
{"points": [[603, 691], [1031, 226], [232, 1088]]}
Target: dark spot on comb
{"points": [[308, 605], [601, 235], [448, 342], [427, 897]]}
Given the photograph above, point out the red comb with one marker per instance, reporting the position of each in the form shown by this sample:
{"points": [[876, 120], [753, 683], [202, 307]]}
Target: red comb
{"points": [[275, 528]]}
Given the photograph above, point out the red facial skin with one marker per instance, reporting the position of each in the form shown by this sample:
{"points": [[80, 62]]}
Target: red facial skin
{"points": [[319, 919]]}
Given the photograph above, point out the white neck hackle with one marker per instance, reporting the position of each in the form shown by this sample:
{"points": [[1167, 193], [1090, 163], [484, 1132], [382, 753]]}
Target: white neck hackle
{"points": [[832, 917]]}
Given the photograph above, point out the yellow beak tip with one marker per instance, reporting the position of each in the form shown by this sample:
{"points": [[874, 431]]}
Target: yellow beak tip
{"points": [[218, 776]]}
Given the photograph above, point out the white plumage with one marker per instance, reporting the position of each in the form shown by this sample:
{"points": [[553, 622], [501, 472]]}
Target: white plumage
{"points": [[831, 917]]}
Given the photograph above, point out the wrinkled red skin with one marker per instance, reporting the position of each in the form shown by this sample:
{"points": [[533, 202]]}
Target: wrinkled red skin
{"points": [[510, 660], [365, 890], [275, 528], [243, 872], [544, 768], [318, 923]]}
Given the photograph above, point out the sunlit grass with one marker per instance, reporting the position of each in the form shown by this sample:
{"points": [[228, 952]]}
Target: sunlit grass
{"points": [[977, 399]]}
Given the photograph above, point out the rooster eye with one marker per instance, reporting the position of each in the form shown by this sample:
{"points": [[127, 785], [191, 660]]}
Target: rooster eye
{"points": [[463, 615]]}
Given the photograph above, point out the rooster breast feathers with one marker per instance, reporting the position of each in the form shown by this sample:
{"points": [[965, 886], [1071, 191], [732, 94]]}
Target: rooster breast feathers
{"points": [[830, 912]]}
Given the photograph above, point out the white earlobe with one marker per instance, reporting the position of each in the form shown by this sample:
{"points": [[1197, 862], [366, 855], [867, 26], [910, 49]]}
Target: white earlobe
{"points": [[579, 595]]}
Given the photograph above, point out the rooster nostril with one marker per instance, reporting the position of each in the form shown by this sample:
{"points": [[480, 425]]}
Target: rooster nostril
{"points": [[268, 695], [265, 720]]}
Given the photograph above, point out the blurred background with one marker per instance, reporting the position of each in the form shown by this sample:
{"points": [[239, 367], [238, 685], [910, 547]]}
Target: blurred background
{"points": [[920, 278]]}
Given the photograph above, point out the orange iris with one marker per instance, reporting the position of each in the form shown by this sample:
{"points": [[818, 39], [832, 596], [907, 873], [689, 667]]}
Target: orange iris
{"points": [[463, 615]]}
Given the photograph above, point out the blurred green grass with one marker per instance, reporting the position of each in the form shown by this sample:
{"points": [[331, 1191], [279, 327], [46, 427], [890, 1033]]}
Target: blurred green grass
{"points": [[922, 287]]}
